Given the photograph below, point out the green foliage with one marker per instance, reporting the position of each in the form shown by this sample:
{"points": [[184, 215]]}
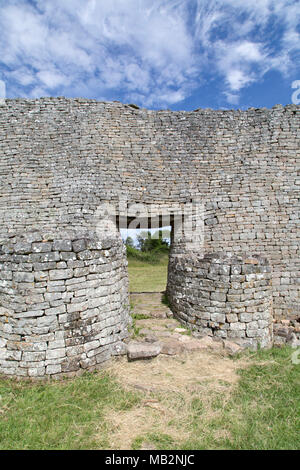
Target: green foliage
{"points": [[151, 249], [129, 242], [157, 242], [150, 257], [134, 329]]}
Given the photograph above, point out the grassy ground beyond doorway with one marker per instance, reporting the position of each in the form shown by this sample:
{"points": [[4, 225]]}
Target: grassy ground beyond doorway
{"points": [[147, 277]]}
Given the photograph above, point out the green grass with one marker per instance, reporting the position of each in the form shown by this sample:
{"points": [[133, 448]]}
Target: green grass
{"points": [[262, 411], [265, 411], [147, 277], [68, 415], [140, 316], [262, 414], [165, 300]]}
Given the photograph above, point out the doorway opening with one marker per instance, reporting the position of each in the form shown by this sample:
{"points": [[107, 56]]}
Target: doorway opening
{"points": [[148, 256], [148, 259], [148, 243]]}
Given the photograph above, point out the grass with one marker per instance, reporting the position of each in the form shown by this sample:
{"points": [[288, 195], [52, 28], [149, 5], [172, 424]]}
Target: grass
{"points": [[147, 277], [165, 300], [262, 413], [68, 415], [247, 403], [199, 401], [265, 411], [140, 316]]}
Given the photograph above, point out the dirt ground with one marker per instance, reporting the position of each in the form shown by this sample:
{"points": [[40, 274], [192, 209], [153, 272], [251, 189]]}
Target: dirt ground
{"points": [[171, 386]]}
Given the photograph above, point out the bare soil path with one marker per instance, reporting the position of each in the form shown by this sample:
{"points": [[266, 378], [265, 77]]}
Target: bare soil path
{"points": [[187, 371]]}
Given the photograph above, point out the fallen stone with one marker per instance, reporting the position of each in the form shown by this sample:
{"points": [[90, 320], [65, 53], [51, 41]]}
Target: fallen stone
{"points": [[151, 338], [158, 314], [294, 341], [184, 338], [193, 345], [172, 325], [145, 331], [209, 342], [119, 349], [171, 347], [164, 334], [205, 343], [136, 350], [231, 348]]}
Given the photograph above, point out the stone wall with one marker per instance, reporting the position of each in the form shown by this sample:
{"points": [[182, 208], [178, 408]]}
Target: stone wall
{"points": [[223, 295], [64, 303], [62, 158]]}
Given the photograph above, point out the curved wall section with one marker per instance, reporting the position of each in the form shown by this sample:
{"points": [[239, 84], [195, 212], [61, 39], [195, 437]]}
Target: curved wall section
{"points": [[62, 158], [63, 303], [223, 295], [63, 297]]}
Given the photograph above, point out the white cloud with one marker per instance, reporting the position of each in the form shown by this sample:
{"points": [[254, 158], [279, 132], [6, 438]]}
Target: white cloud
{"points": [[129, 45], [232, 98], [245, 51], [235, 61], [51, 79], [154, 51], [237, 79]]}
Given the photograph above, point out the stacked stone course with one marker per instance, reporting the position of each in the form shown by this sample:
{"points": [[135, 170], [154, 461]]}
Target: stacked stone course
{"points": [[60, 159], [223, 295], [64, 303]]}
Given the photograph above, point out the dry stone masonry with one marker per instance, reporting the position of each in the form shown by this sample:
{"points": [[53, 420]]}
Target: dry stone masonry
{"points": [[63, 290], [64, 303], [221, 295]]}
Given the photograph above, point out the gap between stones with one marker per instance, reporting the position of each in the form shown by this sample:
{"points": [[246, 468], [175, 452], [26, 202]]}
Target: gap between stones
{"points": [[155, 331]]}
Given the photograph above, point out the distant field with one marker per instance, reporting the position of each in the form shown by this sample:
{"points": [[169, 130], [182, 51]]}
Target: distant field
{"points": [[146, 277]]}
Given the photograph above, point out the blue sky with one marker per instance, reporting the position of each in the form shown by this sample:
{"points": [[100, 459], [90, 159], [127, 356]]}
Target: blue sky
{"points": [[175, 54]]}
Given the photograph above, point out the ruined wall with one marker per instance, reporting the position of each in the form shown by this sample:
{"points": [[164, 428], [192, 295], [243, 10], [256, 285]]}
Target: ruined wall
{"points": [[64, 303], [223, 295], [62, 158]]}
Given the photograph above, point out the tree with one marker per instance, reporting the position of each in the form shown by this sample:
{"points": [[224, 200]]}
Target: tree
{"points": [[129, 242], [157, 241]]}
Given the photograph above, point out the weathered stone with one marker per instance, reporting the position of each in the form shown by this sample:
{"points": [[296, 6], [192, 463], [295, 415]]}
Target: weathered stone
{"points": [[139, 350], [53, 369], [41, 247], [171, 347], [58, 274], [23, 277], [141, 155], [55, 353], [231, 347], [150, 338], [214, 300], [62, 245], [79, 245]]}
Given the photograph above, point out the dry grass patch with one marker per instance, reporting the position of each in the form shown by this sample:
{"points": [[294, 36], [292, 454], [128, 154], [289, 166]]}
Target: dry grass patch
{"points": [[176, 391]]}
